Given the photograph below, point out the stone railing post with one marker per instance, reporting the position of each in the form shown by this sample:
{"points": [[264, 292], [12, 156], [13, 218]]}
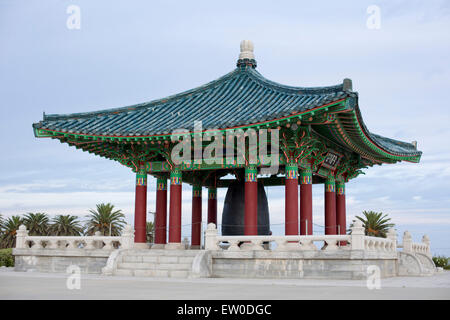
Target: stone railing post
{"points": [[21, 235], [185, 243], [357, 235], [392, 235], [127, 241], [98, 244], [211, 237], [426, 241], [407, 242]]}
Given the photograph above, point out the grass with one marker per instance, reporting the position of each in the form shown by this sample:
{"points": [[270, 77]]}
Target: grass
{"points": [[6, 258], [441, 261]]}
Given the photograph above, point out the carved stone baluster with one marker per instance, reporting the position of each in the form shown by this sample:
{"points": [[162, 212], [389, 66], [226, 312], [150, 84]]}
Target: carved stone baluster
{"points": [[108, 245], [308, 244], [72, 244], [89, 244], [52, 244], [370, 245], [37, 244], [257, 244], [233, 245], [331, 244], [376, 245], [281, 244]]}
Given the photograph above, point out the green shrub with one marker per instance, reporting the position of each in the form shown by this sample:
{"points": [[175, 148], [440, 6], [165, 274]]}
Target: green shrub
{"points": [[6, 258], [441, 261]]}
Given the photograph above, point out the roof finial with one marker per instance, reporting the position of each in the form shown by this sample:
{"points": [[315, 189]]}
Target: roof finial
{"points": [[246, 57], [347, 84]]}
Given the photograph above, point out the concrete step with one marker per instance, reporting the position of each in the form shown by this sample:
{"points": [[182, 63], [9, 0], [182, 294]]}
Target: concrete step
{"points": [[153, 273], [156, 259], [158, 252], [162, 273], [156, 263], [154, 266], [123, 272]]}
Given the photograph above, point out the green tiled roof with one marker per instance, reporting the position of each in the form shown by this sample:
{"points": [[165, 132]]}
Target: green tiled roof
{"points": [[241, 97]]}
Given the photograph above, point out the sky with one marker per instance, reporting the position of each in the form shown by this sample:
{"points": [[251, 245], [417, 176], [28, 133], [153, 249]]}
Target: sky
{"points": [[128, 52]]}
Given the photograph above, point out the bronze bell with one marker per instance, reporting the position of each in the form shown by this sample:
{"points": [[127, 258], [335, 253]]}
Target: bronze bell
{"points": [[233, 210]]}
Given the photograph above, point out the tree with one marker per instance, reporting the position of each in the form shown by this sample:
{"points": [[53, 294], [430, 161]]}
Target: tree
{"points": [[150, 229], [37, 224], [150, 232], [1, 224], [106, 220], [375, 223], [10, 227], [65, 225]]}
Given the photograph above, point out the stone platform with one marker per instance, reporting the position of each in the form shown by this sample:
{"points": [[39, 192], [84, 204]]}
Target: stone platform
{"points": [[350, 256], [312, 264]]}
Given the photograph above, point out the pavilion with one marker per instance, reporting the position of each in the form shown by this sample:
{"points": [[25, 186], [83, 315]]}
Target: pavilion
{"points": [[320, 133]]}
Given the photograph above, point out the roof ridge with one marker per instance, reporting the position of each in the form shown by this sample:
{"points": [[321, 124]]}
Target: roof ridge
{"points": [[292, 89]]}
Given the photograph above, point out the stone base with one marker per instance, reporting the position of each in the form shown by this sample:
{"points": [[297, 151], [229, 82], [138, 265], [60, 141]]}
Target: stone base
{"points": [[158, 246], [174, 261], [141, 245], [175, 246], [296, 264], [58, 260], [195, 247]]}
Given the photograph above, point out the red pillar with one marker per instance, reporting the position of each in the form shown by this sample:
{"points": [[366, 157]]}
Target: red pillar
{"points": [[140, 208], [175, 208], [340, 208], [306, 216], [161, 211], [330, 206], [291, 200], [196, 216], [212, 205], [251, 202]]}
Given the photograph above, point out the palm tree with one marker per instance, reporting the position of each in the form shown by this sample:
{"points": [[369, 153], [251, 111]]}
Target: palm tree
{"points": [[37, 224], [65, 225], [150, 234], [105, 220], [375, 223], [1, 224], [11, 225]]}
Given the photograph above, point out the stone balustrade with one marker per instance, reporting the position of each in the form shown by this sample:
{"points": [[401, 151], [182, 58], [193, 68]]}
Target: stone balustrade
{"points": [[379, 244], [416, 247], [354, 241], [235, 243], [125, 241]]}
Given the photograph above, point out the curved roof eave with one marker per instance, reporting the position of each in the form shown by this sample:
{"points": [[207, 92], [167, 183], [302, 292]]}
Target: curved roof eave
{"points": [[396, 149]]}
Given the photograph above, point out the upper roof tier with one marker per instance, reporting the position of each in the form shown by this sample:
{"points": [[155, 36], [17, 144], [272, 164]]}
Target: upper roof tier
{"points": [[241, 98]]}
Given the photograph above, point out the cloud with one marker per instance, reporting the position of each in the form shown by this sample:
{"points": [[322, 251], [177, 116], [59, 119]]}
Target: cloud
{"points": [[401, 73]]}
